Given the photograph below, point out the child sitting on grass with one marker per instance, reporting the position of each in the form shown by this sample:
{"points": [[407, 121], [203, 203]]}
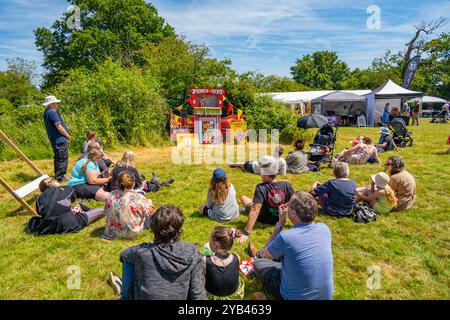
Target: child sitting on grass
{"points": [[378, 195], [221, 203], [222, 268]]}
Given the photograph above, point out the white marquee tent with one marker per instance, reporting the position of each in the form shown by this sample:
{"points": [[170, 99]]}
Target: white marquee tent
{"points": [[391, 93], [376, 100], [427, 99]]}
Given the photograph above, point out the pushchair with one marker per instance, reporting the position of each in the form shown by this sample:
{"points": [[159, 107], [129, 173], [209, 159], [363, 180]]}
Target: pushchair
{"points": [[441, 117], [400, 134], [322, 148]]}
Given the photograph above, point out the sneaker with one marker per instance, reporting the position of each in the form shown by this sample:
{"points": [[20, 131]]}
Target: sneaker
{"points": [[115, 282], [252, 250]]}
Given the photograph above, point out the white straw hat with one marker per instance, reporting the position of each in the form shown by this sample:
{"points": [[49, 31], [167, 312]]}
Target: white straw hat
{"points": [[268, 166], [49, 100], [381, 179]]}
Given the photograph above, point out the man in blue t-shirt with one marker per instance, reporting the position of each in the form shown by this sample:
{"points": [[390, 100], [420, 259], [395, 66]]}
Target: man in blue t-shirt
{"points": [[58, 136], [297, 264], [337, 196]]}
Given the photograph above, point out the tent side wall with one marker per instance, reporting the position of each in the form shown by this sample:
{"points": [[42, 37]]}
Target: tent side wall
{"points": [[381, 103], [370, 109]]}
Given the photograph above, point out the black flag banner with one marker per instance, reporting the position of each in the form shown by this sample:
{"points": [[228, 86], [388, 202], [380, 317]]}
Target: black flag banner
{"points": [[410, 71]]}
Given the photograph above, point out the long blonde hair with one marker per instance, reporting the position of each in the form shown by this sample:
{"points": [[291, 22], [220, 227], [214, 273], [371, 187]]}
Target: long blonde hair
{"points": [[391, 195], [219, 189], [127, 160]]}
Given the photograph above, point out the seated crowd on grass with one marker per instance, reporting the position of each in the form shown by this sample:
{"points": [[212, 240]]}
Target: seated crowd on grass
{"points": [[294, 264]]}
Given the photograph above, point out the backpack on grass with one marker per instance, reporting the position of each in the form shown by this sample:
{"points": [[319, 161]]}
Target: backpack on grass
{"points": [[363, 213]]}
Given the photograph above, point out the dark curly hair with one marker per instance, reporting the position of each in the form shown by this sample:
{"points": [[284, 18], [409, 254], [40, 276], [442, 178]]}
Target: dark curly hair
{"points": [[166, 223], [299, 144]]}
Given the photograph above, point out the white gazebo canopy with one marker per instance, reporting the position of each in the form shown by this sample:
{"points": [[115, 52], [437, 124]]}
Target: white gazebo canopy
{"points": [[391, 90], [339, 96], [427, 99], [306, 96]]}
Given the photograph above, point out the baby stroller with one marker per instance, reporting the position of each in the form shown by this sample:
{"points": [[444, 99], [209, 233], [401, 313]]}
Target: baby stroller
{"points": [[322, 148], [441, 117], [400, 134]]}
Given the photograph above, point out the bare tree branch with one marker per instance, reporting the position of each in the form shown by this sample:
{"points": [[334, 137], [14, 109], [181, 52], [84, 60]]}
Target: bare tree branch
{"points": [[427, 27]]}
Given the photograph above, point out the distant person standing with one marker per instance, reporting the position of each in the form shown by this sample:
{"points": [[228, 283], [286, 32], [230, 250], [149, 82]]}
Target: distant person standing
{"points": [[415, 114], [344, 115], [406, 112], [57, 133], [387, 110]]}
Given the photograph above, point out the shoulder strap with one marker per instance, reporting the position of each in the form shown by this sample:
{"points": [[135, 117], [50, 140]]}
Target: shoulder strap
{"points": [[53, 201]]}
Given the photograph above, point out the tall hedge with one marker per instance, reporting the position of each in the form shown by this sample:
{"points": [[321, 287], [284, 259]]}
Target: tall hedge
{"points": [[123, 105]]}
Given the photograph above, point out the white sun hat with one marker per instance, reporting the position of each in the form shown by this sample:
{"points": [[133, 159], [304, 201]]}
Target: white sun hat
{"points": [[268, 166], [381, 179], [49, 100]]}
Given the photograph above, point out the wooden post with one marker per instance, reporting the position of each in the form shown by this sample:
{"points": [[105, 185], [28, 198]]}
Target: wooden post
{"points": [[21, 201], [19, 153]]}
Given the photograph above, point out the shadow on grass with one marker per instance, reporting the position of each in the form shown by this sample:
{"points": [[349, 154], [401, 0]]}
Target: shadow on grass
{"points": [[240, 225], [443, 153], [97, 233], [21, 211], [23, 177]]}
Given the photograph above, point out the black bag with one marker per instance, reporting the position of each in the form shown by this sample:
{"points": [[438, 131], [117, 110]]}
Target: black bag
{"points": [[363, 213], [34, 223]]}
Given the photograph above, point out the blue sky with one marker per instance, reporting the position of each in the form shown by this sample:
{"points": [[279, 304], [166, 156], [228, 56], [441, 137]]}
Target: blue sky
{"points": [[260, 35]]}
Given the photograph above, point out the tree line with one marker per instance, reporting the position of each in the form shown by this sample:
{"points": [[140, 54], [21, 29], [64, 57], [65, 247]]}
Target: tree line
{"points": [[121, 68]]}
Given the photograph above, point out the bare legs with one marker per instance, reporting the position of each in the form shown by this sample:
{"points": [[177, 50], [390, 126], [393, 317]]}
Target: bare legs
{"points": [[245, 200], [366, 191], [202, 208], [101, 195], [94, 214]]}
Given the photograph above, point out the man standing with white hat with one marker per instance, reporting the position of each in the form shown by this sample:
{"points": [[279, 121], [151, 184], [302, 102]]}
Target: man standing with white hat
{"points": [[58, 136]]}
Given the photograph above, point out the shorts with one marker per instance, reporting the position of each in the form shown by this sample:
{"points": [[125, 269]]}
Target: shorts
{"points": [[248, 166], [86, 191]]}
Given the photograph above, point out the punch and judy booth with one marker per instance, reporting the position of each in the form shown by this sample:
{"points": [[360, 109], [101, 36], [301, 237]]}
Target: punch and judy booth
{"points": [[212, 116]]}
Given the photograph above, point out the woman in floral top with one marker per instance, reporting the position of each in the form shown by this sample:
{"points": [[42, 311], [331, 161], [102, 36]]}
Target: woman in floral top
{"points": [[126, 210]]}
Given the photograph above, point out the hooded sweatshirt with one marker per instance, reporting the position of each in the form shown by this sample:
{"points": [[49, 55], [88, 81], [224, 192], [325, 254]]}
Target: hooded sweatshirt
{"points": [[166, 271]]}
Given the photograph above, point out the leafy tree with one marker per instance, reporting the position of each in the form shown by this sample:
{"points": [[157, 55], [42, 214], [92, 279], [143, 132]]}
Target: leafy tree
{"points": [[121, 104], [114, 29], [321, 70], [16, 82], [381, 70], [179, 65], [433, 74], [273, 83]]}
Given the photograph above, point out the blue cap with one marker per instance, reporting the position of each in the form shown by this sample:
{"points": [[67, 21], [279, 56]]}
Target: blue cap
{"points": [[219, 173], [384, 130]]}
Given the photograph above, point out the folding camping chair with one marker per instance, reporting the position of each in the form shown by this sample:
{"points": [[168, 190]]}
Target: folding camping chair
{"points": [[30, 187]]}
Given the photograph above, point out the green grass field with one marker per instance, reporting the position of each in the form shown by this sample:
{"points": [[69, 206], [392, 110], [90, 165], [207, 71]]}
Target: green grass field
{"points": [[411, 248]]}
